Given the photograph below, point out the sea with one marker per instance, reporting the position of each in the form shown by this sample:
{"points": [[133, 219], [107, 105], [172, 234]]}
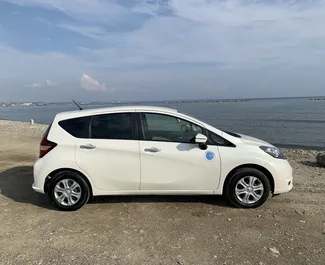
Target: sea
{"points": [[284, 122]]}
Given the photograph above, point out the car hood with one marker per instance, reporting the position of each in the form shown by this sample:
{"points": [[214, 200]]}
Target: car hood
{"points": [[252, 140]]}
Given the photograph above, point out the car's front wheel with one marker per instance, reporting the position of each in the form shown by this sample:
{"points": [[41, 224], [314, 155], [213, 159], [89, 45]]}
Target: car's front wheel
{"points": [[68, 191], [248, 188]]}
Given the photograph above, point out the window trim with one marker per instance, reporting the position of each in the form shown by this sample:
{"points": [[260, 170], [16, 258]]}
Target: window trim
{"points": [[133, 126]]}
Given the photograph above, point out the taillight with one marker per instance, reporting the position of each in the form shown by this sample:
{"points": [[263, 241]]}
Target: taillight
{"points": [[46, 145]]}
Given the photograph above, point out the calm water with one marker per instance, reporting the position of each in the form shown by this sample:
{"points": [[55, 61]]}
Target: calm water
{"points": [[285, 122]]}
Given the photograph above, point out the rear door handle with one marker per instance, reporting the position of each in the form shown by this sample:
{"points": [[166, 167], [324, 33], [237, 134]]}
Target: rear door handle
{"points": [[87, 146], [152, 150]]}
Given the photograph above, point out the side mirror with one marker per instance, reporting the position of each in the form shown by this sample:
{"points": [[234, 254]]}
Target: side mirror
{"points": [[201, 139]]}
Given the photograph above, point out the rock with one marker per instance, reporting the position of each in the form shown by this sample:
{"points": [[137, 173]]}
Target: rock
{"points": [[300, 212], [301, 221], [274, 251], [320, 159]]}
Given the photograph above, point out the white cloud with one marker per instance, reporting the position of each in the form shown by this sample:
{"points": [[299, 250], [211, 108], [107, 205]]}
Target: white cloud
{"points": [[239, 34], [88, 31], [35, 85], [232, 38], [47, 83], [85, 10], [202, 31], [90, 84], [38, 66]]}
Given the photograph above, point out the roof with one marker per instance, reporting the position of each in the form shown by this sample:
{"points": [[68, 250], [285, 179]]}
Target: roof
{"points": [[86, 112]]}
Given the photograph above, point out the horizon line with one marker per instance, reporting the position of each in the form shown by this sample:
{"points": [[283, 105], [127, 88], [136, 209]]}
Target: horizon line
{"points": [[164, 100]]}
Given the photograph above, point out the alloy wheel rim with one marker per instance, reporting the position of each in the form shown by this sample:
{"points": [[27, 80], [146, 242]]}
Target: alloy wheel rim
{"points": [[67, 192], [249, 190]]}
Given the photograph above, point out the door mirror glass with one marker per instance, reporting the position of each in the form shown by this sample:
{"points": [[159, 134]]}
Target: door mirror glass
{"points": [[200, 139]]}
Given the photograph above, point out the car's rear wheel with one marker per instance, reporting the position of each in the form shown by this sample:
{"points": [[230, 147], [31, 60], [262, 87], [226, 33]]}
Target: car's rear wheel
{"points": [[68, 191], [248, 188]]}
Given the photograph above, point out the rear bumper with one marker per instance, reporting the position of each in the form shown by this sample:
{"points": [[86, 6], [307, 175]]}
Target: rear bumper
{"points": [[39, 176], [39, 190]]}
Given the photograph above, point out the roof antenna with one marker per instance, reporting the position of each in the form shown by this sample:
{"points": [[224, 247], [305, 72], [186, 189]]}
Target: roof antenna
{"points": [[80, 108]]}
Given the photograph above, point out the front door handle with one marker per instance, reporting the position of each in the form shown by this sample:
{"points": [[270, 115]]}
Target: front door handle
{"points": [[152, 150], [87, 146]]}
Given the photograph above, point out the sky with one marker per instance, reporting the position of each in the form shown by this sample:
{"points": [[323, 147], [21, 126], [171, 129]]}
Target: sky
{"points": [[59, 50]]}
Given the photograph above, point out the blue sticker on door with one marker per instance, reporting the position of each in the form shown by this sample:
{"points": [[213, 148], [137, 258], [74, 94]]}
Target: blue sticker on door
{"points": [[209, 156]]}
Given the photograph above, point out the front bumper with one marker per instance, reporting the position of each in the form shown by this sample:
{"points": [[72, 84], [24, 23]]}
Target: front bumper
{"points": [[285, 186], [282, 173]]}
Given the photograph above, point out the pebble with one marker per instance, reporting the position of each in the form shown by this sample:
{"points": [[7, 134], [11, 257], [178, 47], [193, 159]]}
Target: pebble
{"points": [[274, 251], [300, 212]]}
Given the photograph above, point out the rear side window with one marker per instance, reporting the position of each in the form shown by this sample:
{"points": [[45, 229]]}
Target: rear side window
{"points": [[112, 126], [77, 127]]}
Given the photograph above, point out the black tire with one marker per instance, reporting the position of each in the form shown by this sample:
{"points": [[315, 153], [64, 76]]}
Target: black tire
{"points": [[230, 188], [74, 176]]}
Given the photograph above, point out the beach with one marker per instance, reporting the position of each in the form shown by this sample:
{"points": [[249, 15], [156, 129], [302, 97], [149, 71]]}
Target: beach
{"points": [[288, 229]]}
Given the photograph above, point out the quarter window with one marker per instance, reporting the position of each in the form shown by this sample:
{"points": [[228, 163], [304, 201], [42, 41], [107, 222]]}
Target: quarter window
{"points": [[77, 127], [159, 127], [112, 126]]}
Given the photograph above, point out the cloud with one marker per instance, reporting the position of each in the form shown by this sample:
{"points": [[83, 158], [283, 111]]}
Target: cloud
{"points": [[38, 65], [87, 31], [90, 84], [35, 85], [47, 83], [85, 10], [175, 45], [196, 31]]}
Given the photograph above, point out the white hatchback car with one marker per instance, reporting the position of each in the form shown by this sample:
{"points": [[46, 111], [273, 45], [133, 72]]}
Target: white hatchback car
{"points": [[137, 150]]}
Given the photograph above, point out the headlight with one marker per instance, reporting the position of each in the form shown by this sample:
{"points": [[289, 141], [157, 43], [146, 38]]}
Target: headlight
{"points": [[273, 151]]}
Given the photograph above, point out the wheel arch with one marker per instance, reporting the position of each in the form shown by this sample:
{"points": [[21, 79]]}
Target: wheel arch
{"points": [[255, 166], [55, 172]]}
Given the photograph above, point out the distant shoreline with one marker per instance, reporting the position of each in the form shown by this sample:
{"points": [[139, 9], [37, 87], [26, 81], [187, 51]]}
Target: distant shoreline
{"points": [[175, 101]]}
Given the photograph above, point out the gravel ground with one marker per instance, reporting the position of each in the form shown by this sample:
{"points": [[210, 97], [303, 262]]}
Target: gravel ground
{"points": [[288, 229]]}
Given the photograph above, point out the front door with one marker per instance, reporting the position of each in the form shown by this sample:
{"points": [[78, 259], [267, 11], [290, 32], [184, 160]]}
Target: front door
{"points": [[170, 162], [111, 155]]}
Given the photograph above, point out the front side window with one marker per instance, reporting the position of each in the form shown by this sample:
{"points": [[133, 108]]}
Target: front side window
{"points": [[159, 127], [112, 126]]}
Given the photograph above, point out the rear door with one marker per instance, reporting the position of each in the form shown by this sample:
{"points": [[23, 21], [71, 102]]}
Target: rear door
{"points": [[111, 155], [170, 161]]}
